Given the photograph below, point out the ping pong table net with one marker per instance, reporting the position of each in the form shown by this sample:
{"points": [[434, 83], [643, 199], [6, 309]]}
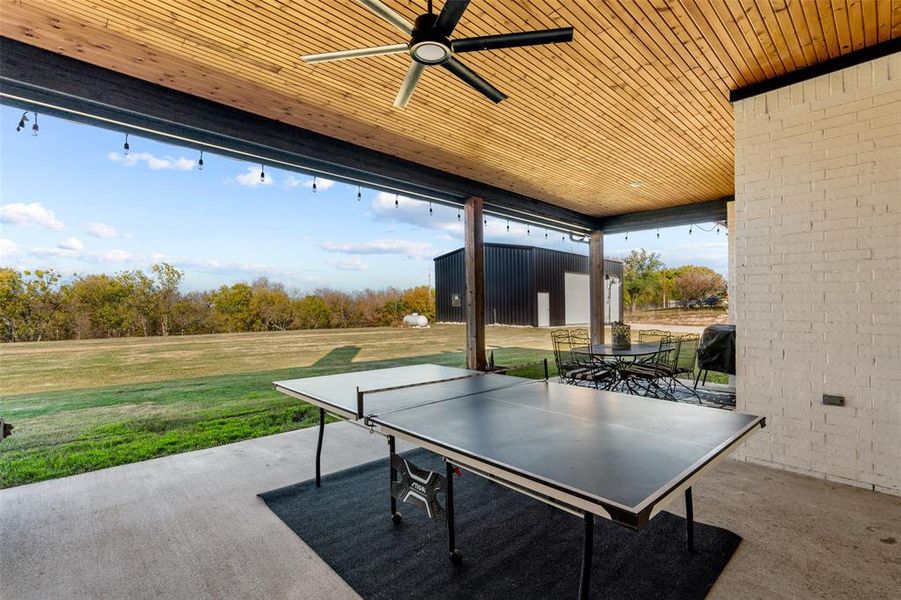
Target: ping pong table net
{"points": [[501, 378]]}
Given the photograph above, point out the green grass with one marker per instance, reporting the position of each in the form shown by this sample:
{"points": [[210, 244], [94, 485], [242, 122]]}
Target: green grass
{"points": [[66, 432]]}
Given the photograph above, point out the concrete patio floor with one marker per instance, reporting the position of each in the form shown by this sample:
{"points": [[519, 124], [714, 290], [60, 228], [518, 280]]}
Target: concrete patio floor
{"points": [[191, 526]]}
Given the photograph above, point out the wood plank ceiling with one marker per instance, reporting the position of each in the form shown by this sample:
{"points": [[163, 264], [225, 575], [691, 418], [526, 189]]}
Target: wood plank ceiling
{"points": [[640, 95]]}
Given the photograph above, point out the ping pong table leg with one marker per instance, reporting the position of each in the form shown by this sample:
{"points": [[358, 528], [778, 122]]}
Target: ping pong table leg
{"points": [[455, 555], [587, 550], [395, 516], [690, 521], [319, 443]]}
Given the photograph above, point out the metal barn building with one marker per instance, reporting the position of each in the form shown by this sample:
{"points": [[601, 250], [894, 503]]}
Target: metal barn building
{"points": [[525, 285]]}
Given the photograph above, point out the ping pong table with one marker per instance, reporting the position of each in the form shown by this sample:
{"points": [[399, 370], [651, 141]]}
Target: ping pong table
{"points": [[588, 452]]}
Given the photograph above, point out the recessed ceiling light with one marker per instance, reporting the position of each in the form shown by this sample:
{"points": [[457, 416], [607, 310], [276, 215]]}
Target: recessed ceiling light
{"points": [[637, 184]]}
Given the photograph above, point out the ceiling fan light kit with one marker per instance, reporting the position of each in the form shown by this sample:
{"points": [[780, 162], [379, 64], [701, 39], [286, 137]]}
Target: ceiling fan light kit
{"points": [[430, 46]]}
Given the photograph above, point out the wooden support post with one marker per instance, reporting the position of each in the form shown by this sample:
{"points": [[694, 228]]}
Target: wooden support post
{"points": [[474, 254], [596, 286]]}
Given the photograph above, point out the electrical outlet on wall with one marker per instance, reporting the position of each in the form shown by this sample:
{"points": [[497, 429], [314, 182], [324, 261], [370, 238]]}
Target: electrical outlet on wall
{"points": [[833, 400]]}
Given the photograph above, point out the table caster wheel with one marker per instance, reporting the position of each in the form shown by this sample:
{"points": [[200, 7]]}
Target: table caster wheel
{"points": [[396, 518], [456, 557]]}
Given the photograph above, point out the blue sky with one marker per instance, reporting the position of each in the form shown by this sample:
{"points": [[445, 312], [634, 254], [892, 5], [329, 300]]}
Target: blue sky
{"points": [[71, 200]]}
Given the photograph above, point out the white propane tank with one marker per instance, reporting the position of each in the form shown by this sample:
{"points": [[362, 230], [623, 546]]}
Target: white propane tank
{"points": [[416, 320]]}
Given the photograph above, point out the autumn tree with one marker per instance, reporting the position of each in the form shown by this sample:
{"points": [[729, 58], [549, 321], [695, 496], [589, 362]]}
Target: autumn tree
{"points": [[696, 284]]}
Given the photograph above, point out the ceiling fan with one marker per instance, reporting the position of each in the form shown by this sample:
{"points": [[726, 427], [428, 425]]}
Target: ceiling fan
{"points": [[430, 45]]}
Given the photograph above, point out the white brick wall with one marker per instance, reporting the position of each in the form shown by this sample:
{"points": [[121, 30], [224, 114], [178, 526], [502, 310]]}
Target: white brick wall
{"points": [[815, 270]]}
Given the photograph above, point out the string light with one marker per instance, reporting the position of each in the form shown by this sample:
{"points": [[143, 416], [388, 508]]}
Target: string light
{"points": [[528, 230], [200, 162], [458, 214], [34, 127], [484, 220], [545, 234], [689, 229], [359, 194], [262, 172], [22, 122], [658, 234], [125, 147], [627, 237], [314, 184], [717, 229], [396, 201], [508, 224], [430, 209]]}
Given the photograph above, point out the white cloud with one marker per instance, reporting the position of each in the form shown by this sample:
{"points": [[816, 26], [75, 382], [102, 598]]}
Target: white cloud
{"points": [[8, 249], [418, 250], [109, 256], [102, 230], [71, 243], [322, 184], [35, 213], [251, 178], [444, 219], [349, 264], [153, 162]]}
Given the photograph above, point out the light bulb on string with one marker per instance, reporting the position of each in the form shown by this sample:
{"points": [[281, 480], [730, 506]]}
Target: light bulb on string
{"points": [[458, 214], [22, 120], [658, 234], [34, 127], [314, 184], [359, 194], [430, 209], [689, 229], [262, 172], [396, 201], [545, 234], [125, 147], [200, 162], [528, 230], [627, 237]]}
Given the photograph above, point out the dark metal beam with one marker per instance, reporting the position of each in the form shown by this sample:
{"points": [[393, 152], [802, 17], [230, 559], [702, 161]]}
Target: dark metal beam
{"points": [[687, 214], [36, 79], [823, 68]]}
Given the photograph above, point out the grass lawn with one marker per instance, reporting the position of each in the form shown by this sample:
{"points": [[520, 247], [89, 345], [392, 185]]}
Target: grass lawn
{"points": [[63, 432], [85, 405]]}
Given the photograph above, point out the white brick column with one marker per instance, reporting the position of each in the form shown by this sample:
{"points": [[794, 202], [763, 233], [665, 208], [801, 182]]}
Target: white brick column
{"points": [[815, 282]]}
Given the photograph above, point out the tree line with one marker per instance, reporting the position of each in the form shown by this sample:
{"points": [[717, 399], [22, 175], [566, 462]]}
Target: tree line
{"points": [[648, 282], [38, 305]]}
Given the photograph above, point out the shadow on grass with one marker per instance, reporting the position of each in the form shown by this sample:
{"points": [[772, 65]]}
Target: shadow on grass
{"points": [[338, 357]]}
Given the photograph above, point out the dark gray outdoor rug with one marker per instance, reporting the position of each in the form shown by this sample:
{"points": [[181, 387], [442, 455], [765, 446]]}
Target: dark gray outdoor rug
{"points": [[514, 547]]}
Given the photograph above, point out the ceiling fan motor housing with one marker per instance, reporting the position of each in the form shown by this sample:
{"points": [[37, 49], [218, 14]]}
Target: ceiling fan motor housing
{"points": [[428, 46]]}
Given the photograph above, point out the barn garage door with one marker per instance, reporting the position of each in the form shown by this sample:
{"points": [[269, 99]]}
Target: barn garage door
{"points": [[575, 291]]}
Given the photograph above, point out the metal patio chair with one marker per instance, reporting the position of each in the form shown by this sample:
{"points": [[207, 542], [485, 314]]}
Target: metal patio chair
{"points": [[652, 377], [583, 368]]}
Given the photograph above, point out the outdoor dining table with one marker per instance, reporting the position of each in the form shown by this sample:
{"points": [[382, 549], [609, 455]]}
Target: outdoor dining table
{"points": [[617, 359]]}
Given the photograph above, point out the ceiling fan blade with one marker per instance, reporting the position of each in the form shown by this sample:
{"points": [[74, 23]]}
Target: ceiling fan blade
{"points": [[356, 53], [450, 15], [474, 80], [409, 84], [379, 8], [513, 40]]}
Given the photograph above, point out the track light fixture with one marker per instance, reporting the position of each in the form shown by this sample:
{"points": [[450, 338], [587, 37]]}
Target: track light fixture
{"points": [[125, 147], [34, 127], [22, 120], [200, 162]]}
